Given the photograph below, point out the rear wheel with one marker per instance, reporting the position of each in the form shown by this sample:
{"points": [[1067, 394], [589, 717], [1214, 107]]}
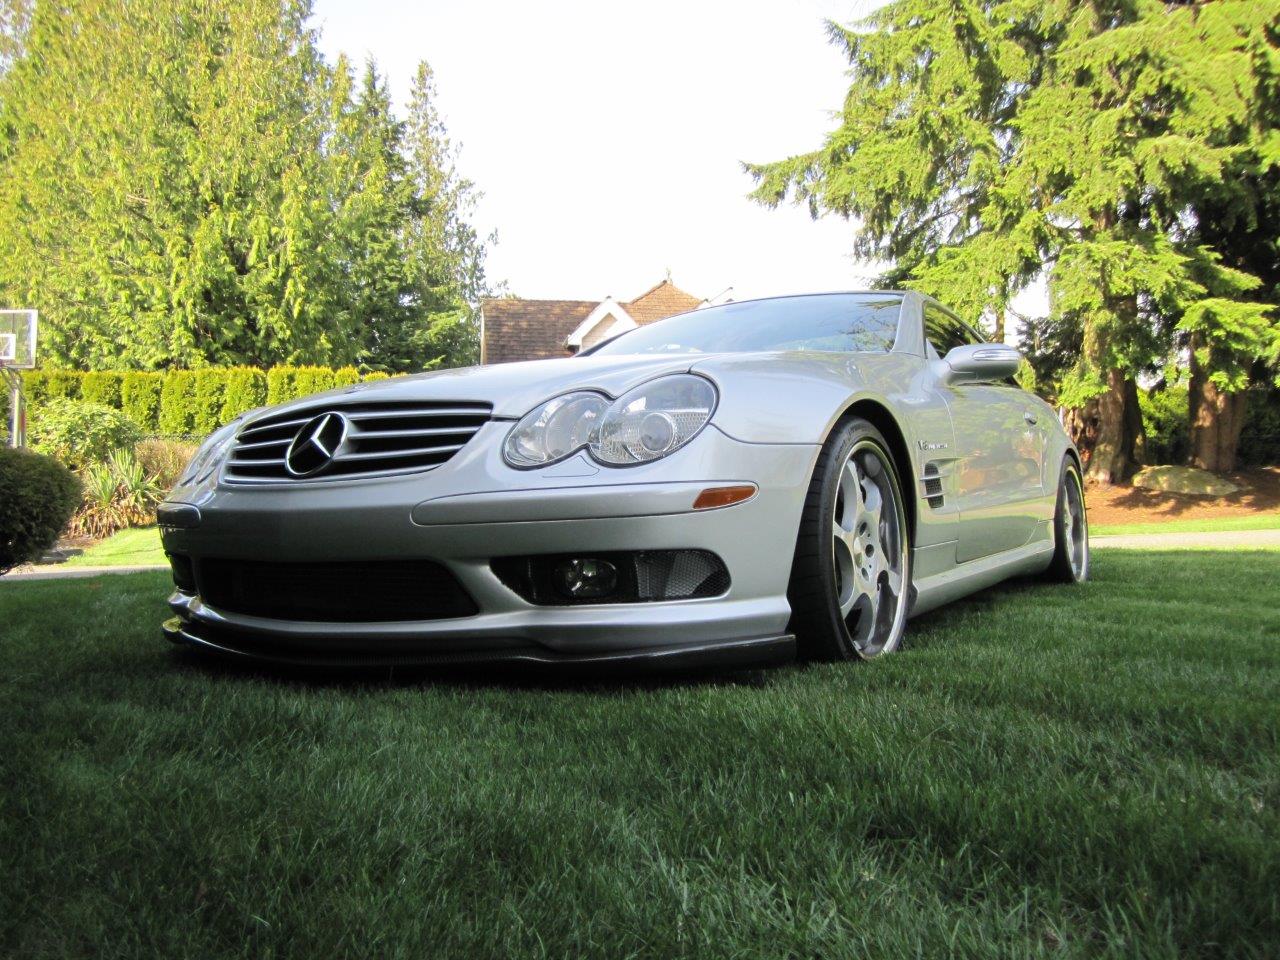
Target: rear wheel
{"points": [[1070, 563], [851, 577]]}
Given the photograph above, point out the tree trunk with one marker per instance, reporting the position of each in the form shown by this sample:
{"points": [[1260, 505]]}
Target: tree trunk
{"points": [[1216, 418], [1119, 425]]}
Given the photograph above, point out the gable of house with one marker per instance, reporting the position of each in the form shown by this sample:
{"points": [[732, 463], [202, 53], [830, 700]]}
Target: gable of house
{"points": [[512, 329]]}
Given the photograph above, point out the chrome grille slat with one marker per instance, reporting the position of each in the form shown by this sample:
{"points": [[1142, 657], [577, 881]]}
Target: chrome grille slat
{"points": [[475, 411], [263, 444], [397, 454], [255, 428], [382, 439], [426, 432]]}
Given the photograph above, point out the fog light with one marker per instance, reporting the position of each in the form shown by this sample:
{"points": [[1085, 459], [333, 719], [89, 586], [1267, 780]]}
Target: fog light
{"points": [[582, 578]]}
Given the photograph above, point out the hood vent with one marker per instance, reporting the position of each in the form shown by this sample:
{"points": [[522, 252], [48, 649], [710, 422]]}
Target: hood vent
{"points": [[352, 441]]}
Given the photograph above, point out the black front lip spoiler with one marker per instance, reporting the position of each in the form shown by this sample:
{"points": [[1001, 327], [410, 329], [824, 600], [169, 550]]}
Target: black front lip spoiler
{"points": [[726, 654]]}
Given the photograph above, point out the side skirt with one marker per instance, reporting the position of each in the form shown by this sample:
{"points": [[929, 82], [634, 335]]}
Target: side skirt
{"points": [[974, 575]]}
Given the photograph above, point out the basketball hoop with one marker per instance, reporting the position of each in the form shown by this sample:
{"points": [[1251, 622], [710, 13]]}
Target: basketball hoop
{"points": [[17, 353]]}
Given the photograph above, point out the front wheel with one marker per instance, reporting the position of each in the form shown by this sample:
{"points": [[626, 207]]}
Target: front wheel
{"points": [[1070, 563], [851, 578]]}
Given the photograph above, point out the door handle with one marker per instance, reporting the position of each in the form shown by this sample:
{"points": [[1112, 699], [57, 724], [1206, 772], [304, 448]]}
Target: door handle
{"points": [[1030, 418]]}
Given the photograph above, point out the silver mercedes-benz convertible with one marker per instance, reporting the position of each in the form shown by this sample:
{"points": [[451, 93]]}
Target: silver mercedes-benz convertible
{"points": [[737, 485]]}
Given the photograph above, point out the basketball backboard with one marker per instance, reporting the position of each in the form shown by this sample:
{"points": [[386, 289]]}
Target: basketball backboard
{"points": [[18, 339]]}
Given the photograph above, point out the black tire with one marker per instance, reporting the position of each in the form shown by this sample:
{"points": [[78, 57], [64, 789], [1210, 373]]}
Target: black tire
{"points": [[1070, 563], [822, 631]]}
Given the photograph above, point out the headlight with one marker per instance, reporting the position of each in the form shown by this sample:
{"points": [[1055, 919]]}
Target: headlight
{"points": [[649, 422], [556, 429], [210, 455], [654, 419]]}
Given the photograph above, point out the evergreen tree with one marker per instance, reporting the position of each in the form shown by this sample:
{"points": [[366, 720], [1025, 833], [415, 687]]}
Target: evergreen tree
{"points": [[186, 182], [982, 142], [445, 254]]}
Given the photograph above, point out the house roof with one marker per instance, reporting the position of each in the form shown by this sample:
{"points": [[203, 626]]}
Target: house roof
{"points": [[659, 302], [516, 329], [530, 329]]}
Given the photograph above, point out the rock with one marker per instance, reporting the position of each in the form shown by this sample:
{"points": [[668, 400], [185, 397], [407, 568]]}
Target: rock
{"points": [[1171, 479]]}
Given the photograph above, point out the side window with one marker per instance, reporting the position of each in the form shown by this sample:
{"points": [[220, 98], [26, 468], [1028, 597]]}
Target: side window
{"points": [[944, 332]]}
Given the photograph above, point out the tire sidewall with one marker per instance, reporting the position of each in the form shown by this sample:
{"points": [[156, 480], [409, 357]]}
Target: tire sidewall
{"points": [[849, 436], [1069, 474]]}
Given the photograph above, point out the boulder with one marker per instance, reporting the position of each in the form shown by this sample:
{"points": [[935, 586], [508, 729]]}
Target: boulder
{"points": [[1171, 479]]}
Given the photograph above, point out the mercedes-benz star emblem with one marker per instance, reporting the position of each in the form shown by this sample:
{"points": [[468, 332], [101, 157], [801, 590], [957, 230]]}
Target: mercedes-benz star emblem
{"points": [[316, 444]]}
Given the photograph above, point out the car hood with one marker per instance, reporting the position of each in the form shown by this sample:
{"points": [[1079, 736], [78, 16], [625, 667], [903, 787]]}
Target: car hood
{"points": [[513, 388]]}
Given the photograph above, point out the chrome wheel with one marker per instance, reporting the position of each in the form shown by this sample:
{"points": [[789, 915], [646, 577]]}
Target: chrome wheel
{"points": [[1075, 526], [868, 532]]}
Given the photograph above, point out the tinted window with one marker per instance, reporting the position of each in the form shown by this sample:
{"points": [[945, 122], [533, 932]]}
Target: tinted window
{"points": [[836, 323], [944, 331]]}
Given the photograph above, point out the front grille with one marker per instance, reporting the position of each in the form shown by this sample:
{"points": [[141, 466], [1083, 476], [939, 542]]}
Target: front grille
{"points": [[350, 592], [377, 439]]}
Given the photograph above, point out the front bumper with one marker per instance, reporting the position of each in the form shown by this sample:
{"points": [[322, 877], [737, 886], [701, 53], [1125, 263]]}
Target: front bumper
{"points": [[474, 509]]}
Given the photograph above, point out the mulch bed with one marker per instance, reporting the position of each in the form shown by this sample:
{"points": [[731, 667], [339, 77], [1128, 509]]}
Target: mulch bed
{"points": [[1259, 493]]}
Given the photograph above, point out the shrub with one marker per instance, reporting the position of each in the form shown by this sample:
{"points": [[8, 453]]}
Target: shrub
{"points": [[246, 389], [309, 380], [164, 459], [177, 413], [280, 384], [100, 386], [1164, 421], [79, 433], [117, 494], [1260, 435], [346, 376], [376, 375], [35, 386], [37, 497], [140, 398], [63, 384], [206, 400]]}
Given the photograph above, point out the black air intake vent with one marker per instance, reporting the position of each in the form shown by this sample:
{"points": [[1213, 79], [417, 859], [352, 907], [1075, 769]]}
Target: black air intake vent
{"points": [[354, 592], [932, 486], [352, 441]]}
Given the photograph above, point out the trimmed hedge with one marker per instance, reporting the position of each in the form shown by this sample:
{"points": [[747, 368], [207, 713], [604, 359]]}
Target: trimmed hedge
{"points": [[38, 495], [184, 403], [140, 399]]}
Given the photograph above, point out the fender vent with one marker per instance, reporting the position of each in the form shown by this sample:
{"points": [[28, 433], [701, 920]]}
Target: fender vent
{"points": [[932, 486]]}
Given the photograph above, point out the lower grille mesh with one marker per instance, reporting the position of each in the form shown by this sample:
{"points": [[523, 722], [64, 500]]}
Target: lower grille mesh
{"points": [[366, 592]]}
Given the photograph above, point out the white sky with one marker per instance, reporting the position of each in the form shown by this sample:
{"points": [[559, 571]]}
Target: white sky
{"points": [[607, 137]]}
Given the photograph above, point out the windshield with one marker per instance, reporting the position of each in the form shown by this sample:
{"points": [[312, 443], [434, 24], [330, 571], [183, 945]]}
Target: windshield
{"points": [[830, 322]]}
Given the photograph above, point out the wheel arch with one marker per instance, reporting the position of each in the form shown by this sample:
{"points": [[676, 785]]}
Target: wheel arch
{"points": [[880, 417]]}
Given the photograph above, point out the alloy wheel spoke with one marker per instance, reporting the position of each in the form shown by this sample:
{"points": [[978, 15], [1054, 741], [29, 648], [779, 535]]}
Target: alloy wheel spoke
{"points": [[851, 490]]}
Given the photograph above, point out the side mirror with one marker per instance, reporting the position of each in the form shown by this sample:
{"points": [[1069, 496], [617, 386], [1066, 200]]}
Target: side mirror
{"points": [[980, 363]]}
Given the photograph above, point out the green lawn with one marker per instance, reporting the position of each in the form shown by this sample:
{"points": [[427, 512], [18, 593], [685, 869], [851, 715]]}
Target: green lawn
{"points": [[1044, 771], [1261, 521], [128, 548]]}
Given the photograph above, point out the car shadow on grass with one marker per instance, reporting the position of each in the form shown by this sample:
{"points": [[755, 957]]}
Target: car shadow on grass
{"points": [[551, 678]]}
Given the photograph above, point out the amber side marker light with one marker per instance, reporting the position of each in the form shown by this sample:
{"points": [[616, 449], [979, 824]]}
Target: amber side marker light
{"points": [[713, 497]]}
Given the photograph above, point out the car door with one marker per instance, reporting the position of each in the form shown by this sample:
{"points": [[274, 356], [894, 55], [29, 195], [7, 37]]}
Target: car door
{"points": [[1000, 450]]}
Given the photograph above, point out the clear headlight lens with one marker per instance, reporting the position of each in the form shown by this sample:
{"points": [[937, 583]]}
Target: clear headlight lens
{"points": [[654, 419], [554, 430], [210, 455], [647, 423]]}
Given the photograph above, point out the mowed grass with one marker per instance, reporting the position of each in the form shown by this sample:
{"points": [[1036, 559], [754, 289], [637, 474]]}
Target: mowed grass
{"points": [[126, 548], [1045, 771], [1260, 521]]}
